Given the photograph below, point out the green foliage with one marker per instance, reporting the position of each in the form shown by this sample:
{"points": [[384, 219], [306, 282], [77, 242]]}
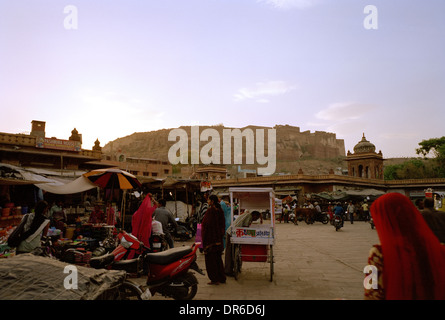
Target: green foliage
{"points": [[436, 146], [411, 169], [418, 168]]}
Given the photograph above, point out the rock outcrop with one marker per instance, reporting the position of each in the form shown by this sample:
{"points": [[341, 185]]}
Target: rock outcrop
{"points": [[293, 147]]}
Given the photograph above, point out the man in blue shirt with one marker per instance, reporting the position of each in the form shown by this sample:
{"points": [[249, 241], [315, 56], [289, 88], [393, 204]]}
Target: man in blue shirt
{"points": [[227, 216]]}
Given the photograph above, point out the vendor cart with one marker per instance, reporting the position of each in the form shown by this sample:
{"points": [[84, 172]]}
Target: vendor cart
{"points": [[252, 243]]}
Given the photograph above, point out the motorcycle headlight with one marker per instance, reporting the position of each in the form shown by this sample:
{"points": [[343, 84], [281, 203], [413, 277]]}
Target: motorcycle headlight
{"points": [[125, 243]]}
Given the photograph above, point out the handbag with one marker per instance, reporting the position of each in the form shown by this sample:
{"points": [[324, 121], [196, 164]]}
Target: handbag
{"points": [[198, 235], [15, 237]]}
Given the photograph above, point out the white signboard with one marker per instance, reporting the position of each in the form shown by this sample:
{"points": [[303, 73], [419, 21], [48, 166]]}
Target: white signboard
{"points": [[253, 235]]}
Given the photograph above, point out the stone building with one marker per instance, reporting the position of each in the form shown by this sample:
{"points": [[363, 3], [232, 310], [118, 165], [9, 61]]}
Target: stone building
{"points": [[210, 172], [365, 162], [38, 151]]}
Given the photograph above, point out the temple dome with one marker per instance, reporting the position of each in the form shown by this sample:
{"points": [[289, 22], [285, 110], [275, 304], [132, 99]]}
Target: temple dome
{"points": [[364, 146]]}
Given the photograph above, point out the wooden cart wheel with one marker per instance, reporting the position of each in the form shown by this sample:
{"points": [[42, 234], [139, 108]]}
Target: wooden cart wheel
{"points": [[271, 262]]}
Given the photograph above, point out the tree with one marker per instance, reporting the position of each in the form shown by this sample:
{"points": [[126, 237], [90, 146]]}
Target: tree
{"points": [[436, 146], [411, 169]]}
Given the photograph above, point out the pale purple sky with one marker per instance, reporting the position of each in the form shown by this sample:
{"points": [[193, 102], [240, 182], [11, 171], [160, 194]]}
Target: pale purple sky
{"points": [[135, 66]]}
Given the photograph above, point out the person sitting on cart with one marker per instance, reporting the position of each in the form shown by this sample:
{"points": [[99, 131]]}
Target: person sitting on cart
{"points": [[243, 220]]}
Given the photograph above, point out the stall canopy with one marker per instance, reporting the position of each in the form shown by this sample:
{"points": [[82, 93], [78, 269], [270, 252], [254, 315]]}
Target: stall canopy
{"points": [[14, 175], [81, 184], [347, 194]]}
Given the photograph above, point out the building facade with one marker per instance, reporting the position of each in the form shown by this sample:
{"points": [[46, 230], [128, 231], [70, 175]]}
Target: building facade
{"points": [[38, 151], [365, 162]]}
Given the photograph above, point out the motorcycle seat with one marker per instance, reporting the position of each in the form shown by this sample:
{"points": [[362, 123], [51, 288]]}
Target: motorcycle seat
{"points": [[102, 261], [167, 256]]}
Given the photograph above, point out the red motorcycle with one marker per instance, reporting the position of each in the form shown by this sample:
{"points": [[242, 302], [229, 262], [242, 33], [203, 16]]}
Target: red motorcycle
{"points": [[168, 272]]}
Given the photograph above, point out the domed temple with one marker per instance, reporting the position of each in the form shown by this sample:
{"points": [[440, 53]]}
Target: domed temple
{"points": [[365, 162]]}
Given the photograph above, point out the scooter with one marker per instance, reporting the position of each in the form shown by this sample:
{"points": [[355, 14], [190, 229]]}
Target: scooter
{"points": [[168, 271], [338, 222]]}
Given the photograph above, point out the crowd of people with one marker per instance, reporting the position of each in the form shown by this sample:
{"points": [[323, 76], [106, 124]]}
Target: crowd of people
{"points": [[410, 258], [350, 210]]}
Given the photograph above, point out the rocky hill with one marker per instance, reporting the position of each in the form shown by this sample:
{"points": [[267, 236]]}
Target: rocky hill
{"points": [[314, 152]]}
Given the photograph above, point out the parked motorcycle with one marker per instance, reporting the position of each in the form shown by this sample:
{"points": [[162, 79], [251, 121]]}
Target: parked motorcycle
{"points": [[168, 271], [190, 223], [181, 233], [158, 242], [338, 222]]}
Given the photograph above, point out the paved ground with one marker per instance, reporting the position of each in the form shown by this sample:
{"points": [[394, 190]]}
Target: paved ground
{"points": [[312, 262]]}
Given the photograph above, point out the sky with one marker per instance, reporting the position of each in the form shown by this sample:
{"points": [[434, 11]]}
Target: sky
{"points": [[110, 68]]}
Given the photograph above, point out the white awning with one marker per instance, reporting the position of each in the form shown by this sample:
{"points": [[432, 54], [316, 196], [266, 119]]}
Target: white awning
{"points": [[81, 184], [56, 184]]}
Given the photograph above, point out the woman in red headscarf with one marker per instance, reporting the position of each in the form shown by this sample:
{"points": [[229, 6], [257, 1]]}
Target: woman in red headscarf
{"points": [[410, 259]]}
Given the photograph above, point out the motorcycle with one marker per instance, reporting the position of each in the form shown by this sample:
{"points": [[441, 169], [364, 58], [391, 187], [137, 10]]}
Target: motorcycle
{"points": [[321, 217], [181, 233], [338, 222], [371, 221], [190, 223], [169, 275], [293, 218], [157, 240], [167, 271]]}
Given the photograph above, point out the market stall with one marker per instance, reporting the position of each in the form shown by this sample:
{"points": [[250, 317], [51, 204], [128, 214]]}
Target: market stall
{"points": [[111, 180]]}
